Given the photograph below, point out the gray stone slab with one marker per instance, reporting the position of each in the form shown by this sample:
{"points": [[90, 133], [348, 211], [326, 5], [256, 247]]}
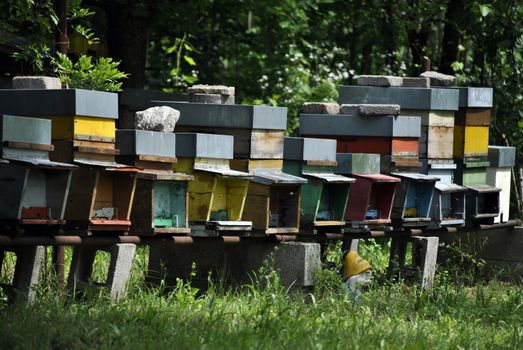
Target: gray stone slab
{"points": [[300, 148], [418, 82], [500, 156], [194, 145], [370, 109], [159, 118], [357, 163], [211, 98], [230, 116], [407, 98], [424, 257], [211, 89], [296, 263], [320, 108], [36, 82], [149, 143], [29, 262], [439, 79], [63, 102], [120, 265], [379, 80]]}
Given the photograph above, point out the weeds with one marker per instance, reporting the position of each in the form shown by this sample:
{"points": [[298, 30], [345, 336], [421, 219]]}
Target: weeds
{"points": [[265, 315]]}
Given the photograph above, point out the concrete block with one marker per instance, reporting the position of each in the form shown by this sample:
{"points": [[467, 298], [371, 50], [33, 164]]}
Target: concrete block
{"points": [[211, 89], [36, 82], [122, 256], [370, 109], [379, 80], [424, 257], [421, 82], [29, 262], [296, 263], [212, 98], [161, 118], [439, 79], [320, 108]]}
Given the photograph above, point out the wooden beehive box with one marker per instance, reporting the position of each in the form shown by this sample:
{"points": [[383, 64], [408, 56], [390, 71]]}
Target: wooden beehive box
{"points": [[475, 106], [324, 197], [397, 137], [499, 174], [440, 99], [448, 207], [371, 195], [413, 200], [258, 130], [34, 190], [274, 197], [217, 196], [162, 205], [471, 141]]}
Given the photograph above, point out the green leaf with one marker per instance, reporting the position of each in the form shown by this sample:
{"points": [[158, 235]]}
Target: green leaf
{"points": [[189, 60]]}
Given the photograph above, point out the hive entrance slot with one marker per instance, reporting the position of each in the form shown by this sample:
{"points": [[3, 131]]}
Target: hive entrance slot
{"points": [[487, 203], [283, 207]]}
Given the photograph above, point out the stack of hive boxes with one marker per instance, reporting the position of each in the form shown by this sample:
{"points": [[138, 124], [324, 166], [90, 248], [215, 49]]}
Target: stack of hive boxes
{"points": [[436, 107], [83, 133], [371, 195], [273, 196], [324, 197], [471, 135], [499, 174], [34, 189]]}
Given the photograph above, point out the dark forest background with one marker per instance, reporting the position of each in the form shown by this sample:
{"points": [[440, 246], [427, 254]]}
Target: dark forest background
{"points": [[280, 52]]}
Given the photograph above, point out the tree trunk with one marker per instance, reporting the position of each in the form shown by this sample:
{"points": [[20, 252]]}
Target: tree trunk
{"points": [[451, 36]]}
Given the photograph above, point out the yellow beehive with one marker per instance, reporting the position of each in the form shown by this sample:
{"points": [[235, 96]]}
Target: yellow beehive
{"points": [[83, 128], [470, 141]]}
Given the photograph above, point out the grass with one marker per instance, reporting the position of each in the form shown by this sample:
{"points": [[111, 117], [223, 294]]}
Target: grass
{"points": [[265, 315]]}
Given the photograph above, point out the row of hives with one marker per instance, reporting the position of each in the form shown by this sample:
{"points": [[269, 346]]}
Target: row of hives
{"points": [[228, 169]]}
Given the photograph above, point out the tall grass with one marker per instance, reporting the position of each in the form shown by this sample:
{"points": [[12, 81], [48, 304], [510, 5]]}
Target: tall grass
{"points": [[265, 315]]}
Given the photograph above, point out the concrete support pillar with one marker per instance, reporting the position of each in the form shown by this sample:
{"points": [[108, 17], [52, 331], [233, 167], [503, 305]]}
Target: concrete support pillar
{"points": [[122, 256], [424, 257], [237, 264], [27, 270]]}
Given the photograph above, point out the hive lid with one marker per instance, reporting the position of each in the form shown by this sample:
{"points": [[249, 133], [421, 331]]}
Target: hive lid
{"points": [[407, 98], [41, 163], [140, 99], [328, 177], [132, 142], [378, 178], [483, 188], [449, 188], [193, 145], [164, 175], [500, 156], [309, 149], [222, 170], [229, 116], [476, 97], [63, 102], [417, 177], [273, 176]]}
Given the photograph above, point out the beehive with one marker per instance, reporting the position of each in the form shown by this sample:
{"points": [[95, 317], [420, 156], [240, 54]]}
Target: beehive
{"points": [[257, 130], [324, 197], [371, 195], [499, 174], [413, 200], [217, 194], [163, 199], [34, 189]]}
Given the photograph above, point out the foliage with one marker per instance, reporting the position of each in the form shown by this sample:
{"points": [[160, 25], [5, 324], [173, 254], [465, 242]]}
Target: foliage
{"points": [[101, 75]]}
